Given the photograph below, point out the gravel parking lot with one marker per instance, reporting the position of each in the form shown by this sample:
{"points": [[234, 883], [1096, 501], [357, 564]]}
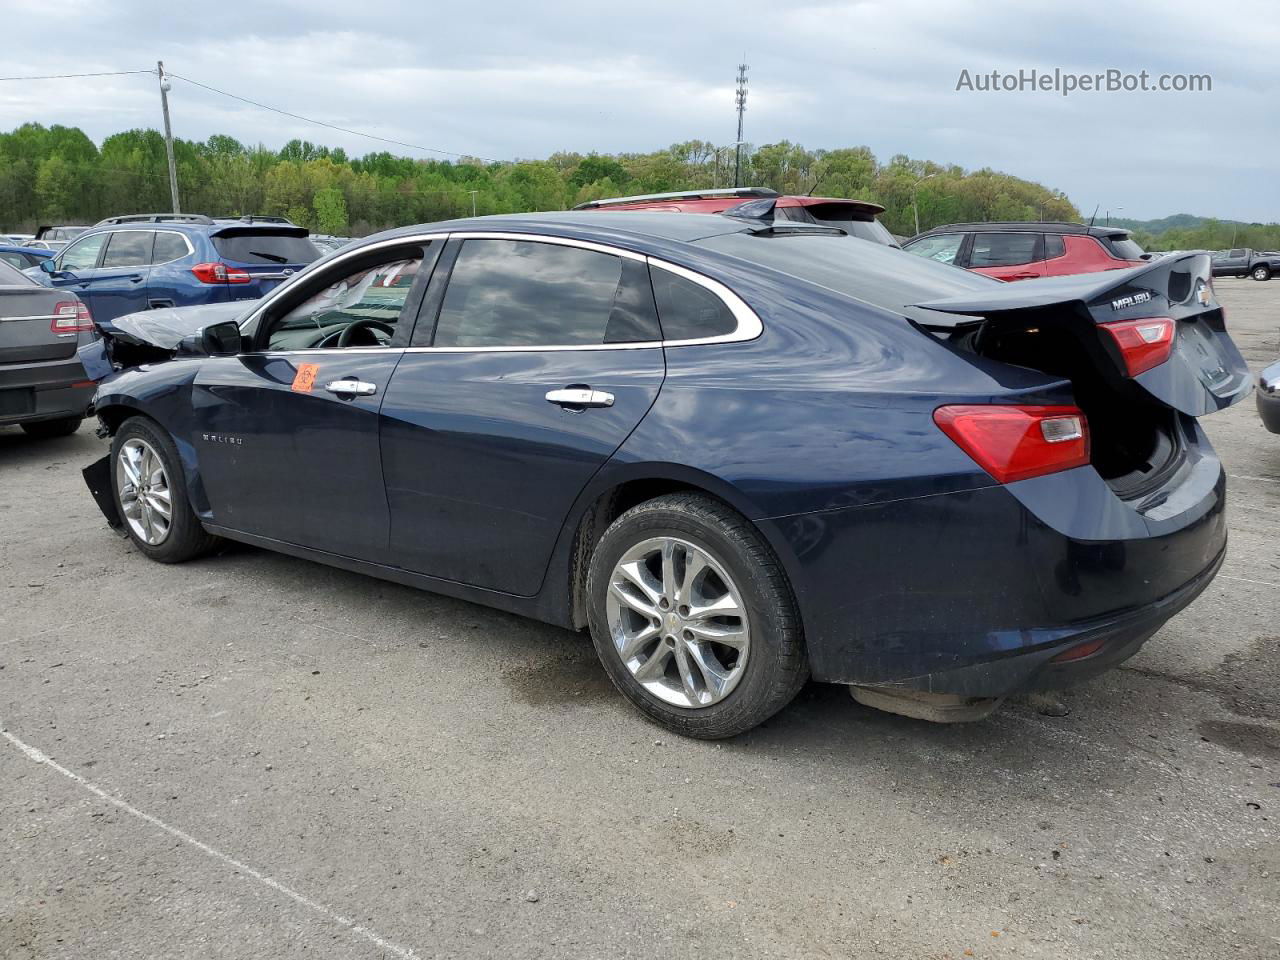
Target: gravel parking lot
{"points": [[256, 756]]}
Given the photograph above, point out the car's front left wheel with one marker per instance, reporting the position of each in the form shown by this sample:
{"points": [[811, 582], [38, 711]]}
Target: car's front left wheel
{"points": [[693, 618], [151, 494], [1262, 272]]}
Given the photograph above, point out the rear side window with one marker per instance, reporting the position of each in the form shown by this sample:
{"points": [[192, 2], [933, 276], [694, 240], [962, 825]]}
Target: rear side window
{"points": [[169, 247], [1004, 249], [1054, 246], [943, 247], [265, 247], [689, 311], [517, 293], [128, 248], [15, 259], [83, 254]]}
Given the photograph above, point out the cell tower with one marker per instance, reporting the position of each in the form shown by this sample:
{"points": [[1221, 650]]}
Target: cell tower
{"points": [[742, 108]]}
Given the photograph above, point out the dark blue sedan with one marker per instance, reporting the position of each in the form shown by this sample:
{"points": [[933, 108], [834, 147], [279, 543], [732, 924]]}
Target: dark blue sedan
{"points": [[741, 453]]}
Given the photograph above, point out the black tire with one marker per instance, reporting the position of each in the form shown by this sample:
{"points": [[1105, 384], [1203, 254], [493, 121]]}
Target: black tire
{"points": [[777, 665], [48, 429], [186, 538], [1261, 272]]}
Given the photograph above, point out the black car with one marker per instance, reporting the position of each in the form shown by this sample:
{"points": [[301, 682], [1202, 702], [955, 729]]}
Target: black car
{"points": [[741, 454], [43, 386]]}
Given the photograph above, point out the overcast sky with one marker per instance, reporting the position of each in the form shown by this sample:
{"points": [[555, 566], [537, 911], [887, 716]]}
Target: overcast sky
{"points": [[508, 79]]}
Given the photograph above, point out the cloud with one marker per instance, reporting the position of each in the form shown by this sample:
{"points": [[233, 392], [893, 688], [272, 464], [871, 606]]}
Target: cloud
{"points": [[505, 79]]}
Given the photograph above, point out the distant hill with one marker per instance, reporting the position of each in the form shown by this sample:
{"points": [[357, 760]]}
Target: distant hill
{"points": [[1179, 221]]}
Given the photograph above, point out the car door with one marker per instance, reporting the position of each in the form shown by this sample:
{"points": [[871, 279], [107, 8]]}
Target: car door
{"points": [[530, 368], [1008, 256], [287, 432], [119, 284]]}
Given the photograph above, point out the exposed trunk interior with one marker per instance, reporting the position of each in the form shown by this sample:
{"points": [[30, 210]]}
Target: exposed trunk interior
{"points": [[1135, 440]]}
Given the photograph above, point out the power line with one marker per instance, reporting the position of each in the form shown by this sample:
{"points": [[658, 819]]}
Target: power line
{"points": [[322, 123], [69, 76]]}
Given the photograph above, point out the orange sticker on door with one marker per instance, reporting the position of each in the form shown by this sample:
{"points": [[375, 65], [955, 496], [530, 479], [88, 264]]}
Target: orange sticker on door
{"points": [[305, 377]]}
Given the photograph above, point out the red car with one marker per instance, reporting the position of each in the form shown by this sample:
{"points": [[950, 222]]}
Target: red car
{"points": [[1022, 251], [856, 217]]}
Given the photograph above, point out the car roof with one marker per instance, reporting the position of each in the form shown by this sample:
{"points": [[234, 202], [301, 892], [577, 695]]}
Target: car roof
{"points": [[601, 225], [20, 248], [1027, 226]]}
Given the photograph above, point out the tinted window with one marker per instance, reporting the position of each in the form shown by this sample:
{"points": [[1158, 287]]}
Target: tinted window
{"points": [[1237, 254], [265, 247], [169, 246], [1054, 246], [1126, 248], [1003, 249], [83, 254], [128, 248], [829, 215], [19, 260], [943, 247], [375, 295], [688, 310], [9, 276], [519, 293]]}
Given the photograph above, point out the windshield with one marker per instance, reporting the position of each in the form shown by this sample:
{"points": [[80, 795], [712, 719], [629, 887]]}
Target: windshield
{"points": [[872, 230], [265, 247], [872, 273]]}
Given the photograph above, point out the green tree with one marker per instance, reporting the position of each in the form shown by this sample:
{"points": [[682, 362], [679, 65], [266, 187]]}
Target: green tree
{"points": [[330, 211], [56, 188]]}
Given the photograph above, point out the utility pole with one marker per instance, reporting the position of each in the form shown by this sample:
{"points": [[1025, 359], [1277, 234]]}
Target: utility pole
{"points": [[742, 108], [168, 135], [473, 201]]}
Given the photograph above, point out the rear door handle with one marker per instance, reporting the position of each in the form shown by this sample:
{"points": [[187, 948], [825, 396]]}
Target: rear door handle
{"points": [[580, 397], [351, 388]]}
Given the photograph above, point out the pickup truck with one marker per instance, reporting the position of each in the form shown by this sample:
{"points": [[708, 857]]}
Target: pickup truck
{"points": [[1244, 262]]}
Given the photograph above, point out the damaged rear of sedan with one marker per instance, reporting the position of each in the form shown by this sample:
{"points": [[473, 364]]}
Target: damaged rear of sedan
{"points": [[740, 454]]}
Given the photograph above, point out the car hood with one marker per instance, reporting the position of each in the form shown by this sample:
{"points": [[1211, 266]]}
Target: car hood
{"points": [[166, 327]]}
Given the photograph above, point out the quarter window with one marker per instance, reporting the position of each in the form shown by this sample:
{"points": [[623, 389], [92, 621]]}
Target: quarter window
{"points": [[128, 248], [689, 311], [1004, 249], [521, 293], [169, 247], [83, 254], [1054, 246], [943, 247]]}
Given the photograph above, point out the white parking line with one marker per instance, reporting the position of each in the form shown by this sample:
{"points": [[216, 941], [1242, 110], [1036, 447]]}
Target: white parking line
{"points": [[1237, 476], [363, 932], [1261, 583]]}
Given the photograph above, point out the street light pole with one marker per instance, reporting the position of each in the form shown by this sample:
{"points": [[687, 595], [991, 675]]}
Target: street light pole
{"points": [[168, 135], [473, 201], [915, 207]]}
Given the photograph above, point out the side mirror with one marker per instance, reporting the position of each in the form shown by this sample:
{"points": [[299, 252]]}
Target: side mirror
{"points": [[221, 339], [48, 266]]}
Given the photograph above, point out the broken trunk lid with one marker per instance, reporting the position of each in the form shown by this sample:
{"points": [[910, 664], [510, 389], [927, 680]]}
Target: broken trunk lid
{"points": [[1204, 371]]}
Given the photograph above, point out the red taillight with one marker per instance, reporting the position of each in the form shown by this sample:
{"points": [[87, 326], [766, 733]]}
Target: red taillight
{"points": [[1143, 343], [219, 273], [1015, 443], [1080, 651], [71, 316]]}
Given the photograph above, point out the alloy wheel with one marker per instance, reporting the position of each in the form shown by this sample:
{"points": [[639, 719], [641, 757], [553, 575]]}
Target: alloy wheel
{"points": [[678, 622], [145, 499]]}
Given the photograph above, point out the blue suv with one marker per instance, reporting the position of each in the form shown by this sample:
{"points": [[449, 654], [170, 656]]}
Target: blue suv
{"points": [[126, 264]]}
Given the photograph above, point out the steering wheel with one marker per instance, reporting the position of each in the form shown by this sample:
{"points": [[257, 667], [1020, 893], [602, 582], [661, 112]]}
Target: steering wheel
{"points": [[361, 325]]}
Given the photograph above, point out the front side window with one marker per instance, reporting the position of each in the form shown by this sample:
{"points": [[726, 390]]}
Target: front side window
{"points": [[83, 254], [361, 309], [1004, 249], [943, 247], [521, 293], [128, 248]]}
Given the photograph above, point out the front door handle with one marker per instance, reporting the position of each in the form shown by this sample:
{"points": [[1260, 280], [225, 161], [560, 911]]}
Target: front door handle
{"points": [[351, 388], [580, 397]]}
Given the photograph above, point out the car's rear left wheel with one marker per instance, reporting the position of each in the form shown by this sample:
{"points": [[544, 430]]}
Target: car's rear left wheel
{"points": [[151, 494], [1262, 273], [693, 618]]}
